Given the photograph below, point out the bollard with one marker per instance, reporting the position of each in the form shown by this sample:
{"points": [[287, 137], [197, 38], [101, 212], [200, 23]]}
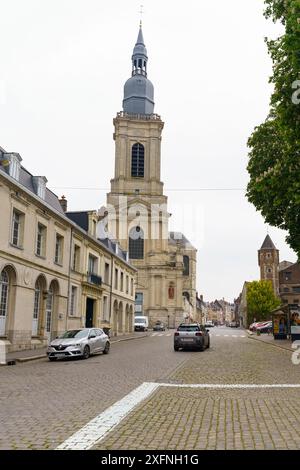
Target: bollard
{"points": [[2, 353]]}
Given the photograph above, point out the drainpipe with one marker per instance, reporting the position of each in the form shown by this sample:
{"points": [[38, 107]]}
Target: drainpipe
{"points": [[69, 279]]}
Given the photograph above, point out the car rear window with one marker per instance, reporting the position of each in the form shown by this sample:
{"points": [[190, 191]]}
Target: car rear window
{"points": [[188, 328]]}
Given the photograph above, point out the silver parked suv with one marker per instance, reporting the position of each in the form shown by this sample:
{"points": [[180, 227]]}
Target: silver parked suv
{"points": [[74, 343], [191, 336]]}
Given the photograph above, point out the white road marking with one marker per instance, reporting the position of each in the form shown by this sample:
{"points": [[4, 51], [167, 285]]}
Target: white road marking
{"points": [[94, 431], [98, 427], [241, 386], [161, 334], [226, 335]]}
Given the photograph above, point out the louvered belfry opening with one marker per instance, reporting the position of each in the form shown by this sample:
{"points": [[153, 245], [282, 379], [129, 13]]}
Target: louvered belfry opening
{"points": [[138, 161]]}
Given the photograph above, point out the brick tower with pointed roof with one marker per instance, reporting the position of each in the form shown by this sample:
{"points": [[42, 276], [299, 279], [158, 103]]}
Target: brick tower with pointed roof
{"points": [[268, 261]]}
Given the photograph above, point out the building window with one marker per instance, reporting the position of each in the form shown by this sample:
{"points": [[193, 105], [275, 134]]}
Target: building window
{"points": [[73, 302], [296, 301], [49, 308], [122, 282], [137, 161], [127, 284], [186, 265], [106, 273], [269, 270], [93, 265], [105, 309], [41, 190], [296, 289], [136, 243], [36, 308], [17, 228], [15, 166], [131, 289], [41, 240], [4, 292], [58, 258], [288, 276], [76, 258], [116, 278], [139, 301], [39, 184]]}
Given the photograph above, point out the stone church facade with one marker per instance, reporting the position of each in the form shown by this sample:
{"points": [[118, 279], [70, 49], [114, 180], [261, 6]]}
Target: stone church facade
{"points": [[137, 212]]}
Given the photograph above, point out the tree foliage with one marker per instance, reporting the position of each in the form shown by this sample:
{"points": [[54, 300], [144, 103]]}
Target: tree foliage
{"points": [[274, 157], [261, 300]]}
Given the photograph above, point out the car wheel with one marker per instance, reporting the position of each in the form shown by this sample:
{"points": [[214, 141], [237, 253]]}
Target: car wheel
{"points": [[107, 348], [201, 347], [208, 344], [86, 352], [52, 359], [176, 348]]}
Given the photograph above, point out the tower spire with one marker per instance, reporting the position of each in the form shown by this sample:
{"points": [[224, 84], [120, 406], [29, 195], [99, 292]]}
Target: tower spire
{"points": [[138, 90], [141, 13]]}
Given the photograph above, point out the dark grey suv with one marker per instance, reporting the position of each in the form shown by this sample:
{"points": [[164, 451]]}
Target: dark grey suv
{"points": [[191, 336]]}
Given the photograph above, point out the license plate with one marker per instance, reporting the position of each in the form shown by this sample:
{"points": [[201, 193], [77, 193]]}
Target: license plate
{"points": [[60, 354], [188, 340]]}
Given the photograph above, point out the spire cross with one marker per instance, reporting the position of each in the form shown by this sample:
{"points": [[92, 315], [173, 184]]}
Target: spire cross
{"points": [[141, 13]]}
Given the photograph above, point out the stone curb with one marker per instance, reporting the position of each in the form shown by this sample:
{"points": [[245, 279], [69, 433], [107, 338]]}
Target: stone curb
{"points": [[252, 336], [42, 356]]}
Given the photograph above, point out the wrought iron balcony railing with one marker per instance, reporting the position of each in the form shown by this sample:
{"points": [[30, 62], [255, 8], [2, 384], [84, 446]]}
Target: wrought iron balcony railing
{"points": [[94, 279]]}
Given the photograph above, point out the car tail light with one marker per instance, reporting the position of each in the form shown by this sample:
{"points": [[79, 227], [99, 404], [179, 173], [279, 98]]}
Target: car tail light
{"points": [[176, 333], [199, 333]]}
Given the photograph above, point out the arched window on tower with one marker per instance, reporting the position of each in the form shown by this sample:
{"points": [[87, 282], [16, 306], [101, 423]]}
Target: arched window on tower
{"points": [[186, 265], [137, 161], [136, 243]]}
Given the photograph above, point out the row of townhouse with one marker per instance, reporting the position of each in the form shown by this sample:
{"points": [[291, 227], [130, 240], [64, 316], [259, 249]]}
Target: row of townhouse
{"points": [[54, 272]]}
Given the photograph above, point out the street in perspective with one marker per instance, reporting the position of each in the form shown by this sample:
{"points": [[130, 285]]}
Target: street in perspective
{"points": [[150, 284]]}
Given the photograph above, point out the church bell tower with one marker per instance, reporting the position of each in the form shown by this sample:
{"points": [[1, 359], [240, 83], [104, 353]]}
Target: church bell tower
{"points": [[138, 135], [139, 205], [268, 261]]}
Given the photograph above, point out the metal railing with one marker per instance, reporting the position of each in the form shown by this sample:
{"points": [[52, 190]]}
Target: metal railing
{"points": [[147, 117], [94, 279]]}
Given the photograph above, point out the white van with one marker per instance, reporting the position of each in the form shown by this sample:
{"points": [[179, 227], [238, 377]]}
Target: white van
{"points": [[141, 323]]}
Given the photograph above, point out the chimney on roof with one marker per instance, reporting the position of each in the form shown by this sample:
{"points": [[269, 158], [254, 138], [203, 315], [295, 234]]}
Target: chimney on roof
{"points": [[64, 203]]}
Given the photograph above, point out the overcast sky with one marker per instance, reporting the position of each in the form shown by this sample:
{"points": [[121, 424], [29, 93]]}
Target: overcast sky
{"points": [[63, 64]]}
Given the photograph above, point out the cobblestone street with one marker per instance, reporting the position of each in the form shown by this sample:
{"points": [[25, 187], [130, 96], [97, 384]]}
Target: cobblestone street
{"points": [[43, 403]]}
